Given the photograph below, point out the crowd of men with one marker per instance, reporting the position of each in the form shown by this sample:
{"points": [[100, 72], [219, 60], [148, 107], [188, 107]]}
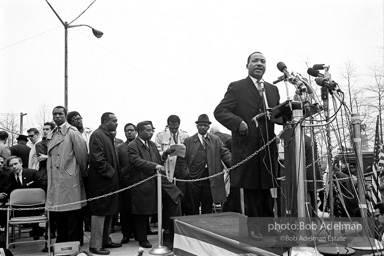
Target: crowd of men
{"points": [[73, 164]]}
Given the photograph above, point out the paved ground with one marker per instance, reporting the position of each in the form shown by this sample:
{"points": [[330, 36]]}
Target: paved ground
{"points": [[130, 249]]}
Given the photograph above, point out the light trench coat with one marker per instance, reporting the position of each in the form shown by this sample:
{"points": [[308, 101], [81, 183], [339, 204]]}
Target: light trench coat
{"points": [[163, 141], [67, 161]]}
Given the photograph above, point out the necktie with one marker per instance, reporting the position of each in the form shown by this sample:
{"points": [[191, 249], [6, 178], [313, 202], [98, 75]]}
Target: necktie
{"points": [[175, 138], [260, 89], [58, 130], [19, 180], [204, 142]]}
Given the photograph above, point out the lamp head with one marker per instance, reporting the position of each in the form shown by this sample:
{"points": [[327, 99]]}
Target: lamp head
{"points": [[97, 33]]}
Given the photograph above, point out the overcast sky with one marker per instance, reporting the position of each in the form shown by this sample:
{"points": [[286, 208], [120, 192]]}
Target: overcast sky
{"points": [[158, 58]]}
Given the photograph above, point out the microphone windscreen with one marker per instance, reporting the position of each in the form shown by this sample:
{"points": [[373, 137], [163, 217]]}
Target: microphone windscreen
{"points": [[313, 72], [320, 81], [318, 66], [281, 66]]}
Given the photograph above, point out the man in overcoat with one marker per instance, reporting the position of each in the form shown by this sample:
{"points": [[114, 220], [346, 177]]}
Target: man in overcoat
{"points": [[243, 101], [67, 161], [126, 217], [103, 177], [145, 161], [204, 156]]}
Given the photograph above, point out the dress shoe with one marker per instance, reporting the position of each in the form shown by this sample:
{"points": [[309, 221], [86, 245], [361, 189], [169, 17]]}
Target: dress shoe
{"points": [[112, 245], [100, 251], [145, 244], [125, 240]]}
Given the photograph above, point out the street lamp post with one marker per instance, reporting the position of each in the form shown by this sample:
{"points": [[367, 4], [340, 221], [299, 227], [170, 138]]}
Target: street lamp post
{"points": [[96, 33]]}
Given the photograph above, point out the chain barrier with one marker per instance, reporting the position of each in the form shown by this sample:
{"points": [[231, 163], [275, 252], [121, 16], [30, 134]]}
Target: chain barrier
{"points": [[142, 181]]}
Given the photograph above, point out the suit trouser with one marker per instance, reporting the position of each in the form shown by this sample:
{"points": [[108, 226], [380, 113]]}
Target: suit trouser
{"points": [[127, 221], [100, 228], [170, 209], [199, 192], [233, 201], [69, 226], [258, 203], [141, 225]]}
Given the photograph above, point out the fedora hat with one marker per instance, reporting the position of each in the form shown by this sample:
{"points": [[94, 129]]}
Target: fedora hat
{"points": [[203, 118], [22, 137]]}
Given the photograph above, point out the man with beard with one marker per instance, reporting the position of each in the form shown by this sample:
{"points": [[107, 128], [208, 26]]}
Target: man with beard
{"points": [[74, 118], [126, 218], [103, 178], [67, 162], [145, 161], [244, 100]]}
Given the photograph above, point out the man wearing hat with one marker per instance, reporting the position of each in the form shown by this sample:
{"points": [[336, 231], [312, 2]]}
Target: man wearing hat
{"points": [[204, 156], [21, 149]]}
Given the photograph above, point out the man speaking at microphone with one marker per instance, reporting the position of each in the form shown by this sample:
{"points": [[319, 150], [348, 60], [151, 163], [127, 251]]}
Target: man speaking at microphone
{"points": [[243, 101]]}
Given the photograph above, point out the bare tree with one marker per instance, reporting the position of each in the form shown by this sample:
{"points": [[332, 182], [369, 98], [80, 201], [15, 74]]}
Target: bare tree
{"points": [[375, 90], [9, 122], [43, 115]]}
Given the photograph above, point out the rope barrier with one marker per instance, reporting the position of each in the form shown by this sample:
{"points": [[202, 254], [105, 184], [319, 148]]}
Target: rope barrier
{"points": [[174, 179], [142, 181]]}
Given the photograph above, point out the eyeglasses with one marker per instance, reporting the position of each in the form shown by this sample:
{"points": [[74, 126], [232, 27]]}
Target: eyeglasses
{"points": [[203, 125], [79, 119]]}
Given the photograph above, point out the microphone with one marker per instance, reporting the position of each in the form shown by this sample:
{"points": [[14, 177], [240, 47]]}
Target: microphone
{"points": [[320, 66], [314, 72], [283, 68], [330, 84], [279, 79]]}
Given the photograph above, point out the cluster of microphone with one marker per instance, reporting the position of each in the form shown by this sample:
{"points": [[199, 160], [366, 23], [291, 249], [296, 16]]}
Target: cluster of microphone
{"points": [[320, 78], [323, 80]]}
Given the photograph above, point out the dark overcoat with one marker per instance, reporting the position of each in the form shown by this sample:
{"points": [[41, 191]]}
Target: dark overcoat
{"points": [[242, 102], [104, 174], [143, 163], [125, 173], [216, 152]]}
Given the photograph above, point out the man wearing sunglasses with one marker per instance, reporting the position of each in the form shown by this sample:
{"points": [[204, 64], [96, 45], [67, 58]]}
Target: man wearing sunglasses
{"points": [[34, 137]]}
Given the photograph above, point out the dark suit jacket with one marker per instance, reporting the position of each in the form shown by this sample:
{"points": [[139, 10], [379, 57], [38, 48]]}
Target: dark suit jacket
{"points": [[30, 180], [143, 163], [125, 174], [242, 102], [215, 153], [21, 151], [104, 173], [5, 185]]}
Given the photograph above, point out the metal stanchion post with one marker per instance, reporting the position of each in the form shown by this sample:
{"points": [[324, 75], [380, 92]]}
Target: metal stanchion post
{"points": [[160, 249]]}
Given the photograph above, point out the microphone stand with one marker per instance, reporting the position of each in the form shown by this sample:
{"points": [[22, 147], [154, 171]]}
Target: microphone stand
{"points": [[331, 248], [268, 110], [367, 242]]}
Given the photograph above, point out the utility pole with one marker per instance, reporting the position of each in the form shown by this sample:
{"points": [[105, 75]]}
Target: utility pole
{"points": [[21, 121]]}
